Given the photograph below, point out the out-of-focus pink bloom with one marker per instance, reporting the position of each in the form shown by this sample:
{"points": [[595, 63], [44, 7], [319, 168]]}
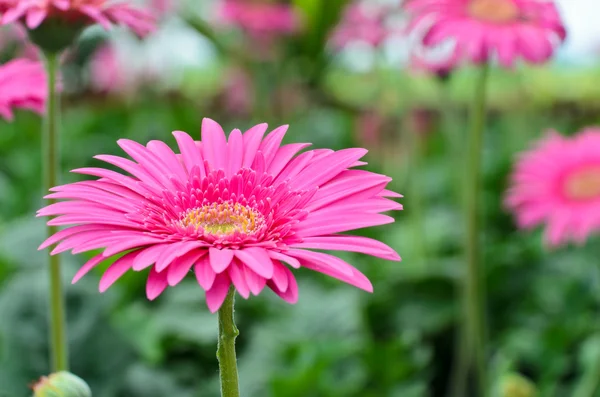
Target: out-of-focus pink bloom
{"points": [[106, 72], [22, 85], [557, 183], [237, 210], [238, 92], [14, 36], [87, 12], [362, 21], [163, 6], [437, 61], [369, 130], [483, 29], [259, 18]]}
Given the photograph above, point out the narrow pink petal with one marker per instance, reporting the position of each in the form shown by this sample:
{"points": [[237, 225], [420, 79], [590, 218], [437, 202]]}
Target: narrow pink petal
{"points": [[204, 273], [236, 152], [148, 256], [326, 168], [156, 284], [336, 223], [357, 279], [350, 243], [272, 142], [290, 295], [214, 144], [163, 151], [89, 265], [255, 282], [168, 255], [280, 278], [220, 259], [238, 278], [326, 260], [252, 139], [182, 266], [284, 156], [132, 243], [216, 295], [293, 262], [189, 152], [116, 270], [256, 259]]}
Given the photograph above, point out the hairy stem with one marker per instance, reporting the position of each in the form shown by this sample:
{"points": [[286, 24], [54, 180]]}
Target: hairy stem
{"points": [[226, 351]]}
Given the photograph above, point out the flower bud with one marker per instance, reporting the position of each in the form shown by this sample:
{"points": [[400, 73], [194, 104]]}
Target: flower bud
{"points": [[515, 385], [61, 384]]}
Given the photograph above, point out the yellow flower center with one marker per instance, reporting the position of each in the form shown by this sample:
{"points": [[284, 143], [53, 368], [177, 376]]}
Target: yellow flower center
{"points": [[222, 219], [583, 185], [496, 11]]}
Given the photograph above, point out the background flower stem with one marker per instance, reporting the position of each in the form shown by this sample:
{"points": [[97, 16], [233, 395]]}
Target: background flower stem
{"points": [[474, 299], [58, 340], [226, 351]]}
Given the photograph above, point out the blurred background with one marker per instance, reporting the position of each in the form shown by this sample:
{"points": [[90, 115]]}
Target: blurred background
{"points": [[341, 73]]}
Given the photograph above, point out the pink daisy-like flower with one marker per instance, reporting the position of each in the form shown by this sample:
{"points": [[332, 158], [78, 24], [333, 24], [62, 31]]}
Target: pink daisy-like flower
{"points": [[258, 17], [558, 183], [482, 29], [237, 211], [86, 12], [22, 85]]}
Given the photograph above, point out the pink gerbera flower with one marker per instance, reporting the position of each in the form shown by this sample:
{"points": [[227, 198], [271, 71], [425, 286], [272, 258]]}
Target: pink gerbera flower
{"points": [[364, 22], [85, 12], [22, 85], [558, 183], [259, 18], [481, 29], [236, 211]]}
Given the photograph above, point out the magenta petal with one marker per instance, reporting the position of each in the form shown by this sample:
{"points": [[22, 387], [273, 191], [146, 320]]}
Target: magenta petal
{"points": [[204, 273], [290, 295], [148, 256], [255, 282], [218, 292], [214, 144], [116, 270], [156, 284], [238, 278], [220, 259], [89, 265], [258, 260], [182, 266], [350, 243], [280, 277]]}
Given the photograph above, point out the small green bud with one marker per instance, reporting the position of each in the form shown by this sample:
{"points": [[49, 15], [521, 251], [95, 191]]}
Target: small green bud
{"points": [[61, 384], [515, 385]]}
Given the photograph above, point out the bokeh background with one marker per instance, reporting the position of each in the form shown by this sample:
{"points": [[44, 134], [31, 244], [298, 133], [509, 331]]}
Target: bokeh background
{"points": [[543, 306]]}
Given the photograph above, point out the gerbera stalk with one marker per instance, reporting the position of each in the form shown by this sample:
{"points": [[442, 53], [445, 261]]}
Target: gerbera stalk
{"points": [[482, 31], [53, 25], [237, 212], [557, 183]]}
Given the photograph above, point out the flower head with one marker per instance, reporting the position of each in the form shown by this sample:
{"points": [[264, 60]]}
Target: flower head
{"points": [[259, 18], [482, 29], [22, 85], [236, 211], [558, 183], [77, 12], [362, 21]]}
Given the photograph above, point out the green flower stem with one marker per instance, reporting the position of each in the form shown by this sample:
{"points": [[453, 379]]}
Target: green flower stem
{"points": [[226, 350], [58, 339], [474, 328]]}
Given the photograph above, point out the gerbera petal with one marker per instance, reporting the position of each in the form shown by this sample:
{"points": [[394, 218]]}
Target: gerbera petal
{"points": [[156, 284], [216, 295], [220, 259], [204, 273], [258, 260], [116, 270]]}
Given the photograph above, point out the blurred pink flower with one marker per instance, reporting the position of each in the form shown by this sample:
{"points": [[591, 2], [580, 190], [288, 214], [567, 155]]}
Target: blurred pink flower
{"points": [[558, 183], [15, 36], [362, 21], [22, 85], [235, 210], [238, 92], [259, 18], [106, 72], [481, 29], [104, 12]]}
